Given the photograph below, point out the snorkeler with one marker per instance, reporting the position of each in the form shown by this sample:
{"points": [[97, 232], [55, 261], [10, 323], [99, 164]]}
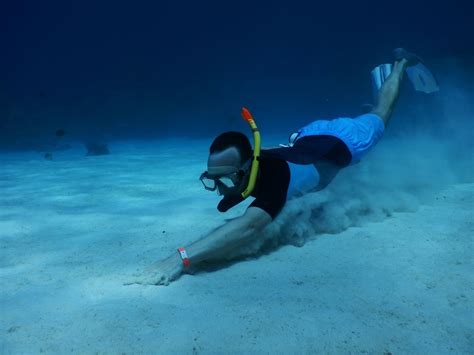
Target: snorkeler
{"points": [[309, 162]]}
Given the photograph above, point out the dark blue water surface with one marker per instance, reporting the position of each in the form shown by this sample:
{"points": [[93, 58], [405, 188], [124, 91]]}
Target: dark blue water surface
{"points": [[131, 70]]}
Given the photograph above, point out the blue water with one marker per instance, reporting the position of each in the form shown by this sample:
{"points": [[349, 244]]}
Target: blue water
{"points": [[385, 264], [151, 70]]}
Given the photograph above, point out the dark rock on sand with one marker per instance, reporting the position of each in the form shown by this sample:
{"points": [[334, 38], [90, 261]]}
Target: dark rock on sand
{"points": [[96, 148]]}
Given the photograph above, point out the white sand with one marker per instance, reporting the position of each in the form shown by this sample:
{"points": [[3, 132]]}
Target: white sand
{"points": [[395, 275]]}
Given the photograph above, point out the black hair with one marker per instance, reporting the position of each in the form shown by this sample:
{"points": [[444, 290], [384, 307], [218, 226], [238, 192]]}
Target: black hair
{"points": [[232, 139]]}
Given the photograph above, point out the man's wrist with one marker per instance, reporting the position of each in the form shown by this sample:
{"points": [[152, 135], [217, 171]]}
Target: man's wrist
{"points": [[183, 255]]}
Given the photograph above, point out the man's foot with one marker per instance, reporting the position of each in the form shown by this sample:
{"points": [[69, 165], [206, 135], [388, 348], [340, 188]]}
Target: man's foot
{"points": [[412, 59]]}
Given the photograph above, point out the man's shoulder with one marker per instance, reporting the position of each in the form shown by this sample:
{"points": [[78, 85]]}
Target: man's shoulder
{"points": [[272, 187], [275, 169], [274, 163]]}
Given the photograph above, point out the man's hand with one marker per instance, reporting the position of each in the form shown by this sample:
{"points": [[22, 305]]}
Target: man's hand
{"points": [[161, 273]]}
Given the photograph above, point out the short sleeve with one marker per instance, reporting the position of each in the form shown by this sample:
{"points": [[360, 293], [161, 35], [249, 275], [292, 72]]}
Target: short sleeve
{"points": [[272, 186]]}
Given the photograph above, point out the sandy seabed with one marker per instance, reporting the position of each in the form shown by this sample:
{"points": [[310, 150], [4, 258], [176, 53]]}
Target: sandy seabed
{"points": [[74, 229]]}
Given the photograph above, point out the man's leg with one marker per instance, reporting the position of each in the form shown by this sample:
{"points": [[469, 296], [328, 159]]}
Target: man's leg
{"points": [[389, 92]]}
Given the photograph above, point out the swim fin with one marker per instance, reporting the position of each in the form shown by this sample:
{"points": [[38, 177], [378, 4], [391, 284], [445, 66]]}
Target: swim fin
{"points": [[379, 75], [422, 79]]}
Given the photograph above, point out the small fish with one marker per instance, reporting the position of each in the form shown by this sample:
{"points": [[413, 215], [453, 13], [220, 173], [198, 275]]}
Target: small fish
{"points": [[60, 133]]}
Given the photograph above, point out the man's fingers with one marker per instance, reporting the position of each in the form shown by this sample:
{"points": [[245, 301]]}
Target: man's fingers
{"points": [[133, 282], [148, 281], [157, 280], [136, 279], [160, 281]]}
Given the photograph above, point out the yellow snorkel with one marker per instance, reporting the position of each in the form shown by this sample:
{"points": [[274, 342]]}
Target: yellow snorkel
{"points": [[247, 116]]}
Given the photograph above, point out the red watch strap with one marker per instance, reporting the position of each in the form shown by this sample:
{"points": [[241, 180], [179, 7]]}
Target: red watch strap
{"points": [[184, 256]]}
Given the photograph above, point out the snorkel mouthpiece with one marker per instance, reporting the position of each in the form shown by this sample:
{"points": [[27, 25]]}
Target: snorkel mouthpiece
{"points": [[247, 116]]}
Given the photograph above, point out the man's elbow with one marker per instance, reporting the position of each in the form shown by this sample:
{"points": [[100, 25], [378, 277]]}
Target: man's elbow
{"points": [[256, 218]]}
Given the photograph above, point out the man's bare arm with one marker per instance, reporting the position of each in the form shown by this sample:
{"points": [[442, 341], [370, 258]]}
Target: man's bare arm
{"points": [[229, 236], [213, 246]]}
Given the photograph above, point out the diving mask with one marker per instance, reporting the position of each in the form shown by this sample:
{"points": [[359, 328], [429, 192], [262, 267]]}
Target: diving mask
{"points": [[227, 179]]}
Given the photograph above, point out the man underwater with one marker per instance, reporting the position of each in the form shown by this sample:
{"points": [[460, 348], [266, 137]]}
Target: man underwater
{"points": [[274, 175]]}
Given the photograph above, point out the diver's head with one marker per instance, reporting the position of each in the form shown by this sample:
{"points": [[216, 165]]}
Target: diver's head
{"points": [[228, 165]]}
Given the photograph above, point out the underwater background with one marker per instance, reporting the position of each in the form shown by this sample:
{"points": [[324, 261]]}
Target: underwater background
{"points": [[164, 69]]}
